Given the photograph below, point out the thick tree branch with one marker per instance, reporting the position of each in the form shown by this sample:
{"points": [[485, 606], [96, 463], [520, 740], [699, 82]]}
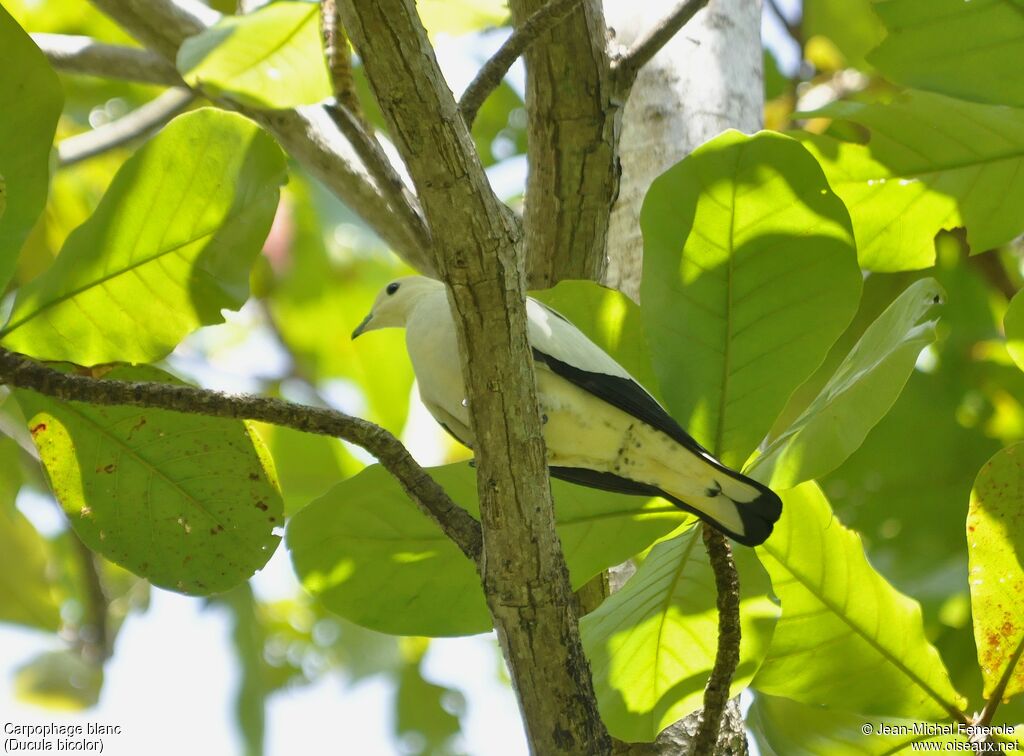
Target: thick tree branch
{"points": [[716, 692], [477, 244], [84, 55], [19, 371], [573, 125], [308, 133], [646, 47], [135, 124], [493, 71]]}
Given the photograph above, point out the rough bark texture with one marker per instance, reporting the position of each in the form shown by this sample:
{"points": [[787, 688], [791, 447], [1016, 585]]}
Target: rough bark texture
{"points": [[478, 256], [705, 80], [573, 124]]}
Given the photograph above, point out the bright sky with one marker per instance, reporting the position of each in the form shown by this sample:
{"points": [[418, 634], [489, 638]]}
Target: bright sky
{"points": [[170, 684]]}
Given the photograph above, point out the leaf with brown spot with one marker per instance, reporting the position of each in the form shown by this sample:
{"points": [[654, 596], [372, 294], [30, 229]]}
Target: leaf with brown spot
{"points": [[995, 544]]}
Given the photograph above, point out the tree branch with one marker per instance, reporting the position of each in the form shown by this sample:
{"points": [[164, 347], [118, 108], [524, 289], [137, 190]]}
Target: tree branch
{"points": [[135, 124], [493, 71], [308, 133], [646, 47], [573, 127], [716, 692], [339, 59], [19, 371], [477, 245], [84, 55]]}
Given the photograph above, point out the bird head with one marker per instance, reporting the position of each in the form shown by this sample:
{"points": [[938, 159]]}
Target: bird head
{"points": [[395, 301]]}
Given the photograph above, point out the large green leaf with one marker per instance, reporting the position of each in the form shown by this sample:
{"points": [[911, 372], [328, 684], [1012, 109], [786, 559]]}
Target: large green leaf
{"points": [[749, 276], [26, 597], [859, 394], [168, 248], [965, 48], [271, 58], [461, 16], [995, 543], [847, 639], [31, 100], [652, 644], [931, 163], [786, 728], [611, 320], [188, 502], [851, 25], [371, 556], [1014, 325]]}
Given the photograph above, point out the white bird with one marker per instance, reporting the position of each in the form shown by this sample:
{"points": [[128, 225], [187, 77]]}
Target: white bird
{"points": [[601, 427]]}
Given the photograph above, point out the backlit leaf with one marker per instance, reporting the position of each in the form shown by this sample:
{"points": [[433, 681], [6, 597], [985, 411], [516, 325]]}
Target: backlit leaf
{"points": [[31, 101], [995, 543], [931, 163], [370, 555], [652, 645], [847, 638], [188, 502], [965, 48], [749, 276], [858, 395], [168, 248], [270, 58], [1013, 322]]}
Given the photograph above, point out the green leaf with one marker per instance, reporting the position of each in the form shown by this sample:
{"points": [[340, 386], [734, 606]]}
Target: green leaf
{"points": [[168, 248], [370, 555], [61, 680], [859, 394], [652, 644], [26, 597], [31, 101], [610, 319], [851, 25], [788, 728], [847, 639], [995, 544], [931, 163], [188, 502], [461, 16], [749, 276], [954, 47], [271, 58], [421, 716], [1014, 325]]}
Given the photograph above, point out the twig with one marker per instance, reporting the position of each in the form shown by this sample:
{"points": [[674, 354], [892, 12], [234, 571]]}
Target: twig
{"points": [[493, 71], [96, 649], [22, 372], [339, 59], [366, 146], [793, 29], [84, 55], [647, 46], [140, 121], [716, 693]]}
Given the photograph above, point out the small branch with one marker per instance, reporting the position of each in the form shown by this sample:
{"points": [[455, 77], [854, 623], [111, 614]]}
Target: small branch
{"points": [[84, 55], [140, 121], [792, 28], [96, 649], [339, 59], [494, 70], [647, 46], [366, 146], [993, 271], [716, 693], [22, 372]]}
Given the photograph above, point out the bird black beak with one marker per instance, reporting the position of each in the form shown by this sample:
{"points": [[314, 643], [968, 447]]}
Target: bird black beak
{"points": [[362, 326]]}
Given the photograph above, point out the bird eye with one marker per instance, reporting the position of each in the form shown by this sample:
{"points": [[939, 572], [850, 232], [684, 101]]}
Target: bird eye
{"points": [[392, 288]]}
